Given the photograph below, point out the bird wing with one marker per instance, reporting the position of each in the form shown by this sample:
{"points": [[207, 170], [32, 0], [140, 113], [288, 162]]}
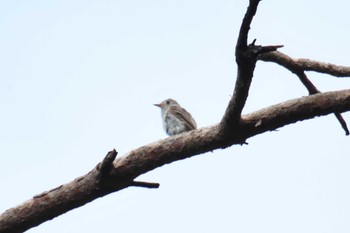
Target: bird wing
{"points": [[185, 116]]}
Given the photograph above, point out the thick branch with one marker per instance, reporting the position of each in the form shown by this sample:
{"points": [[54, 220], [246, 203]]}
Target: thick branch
{"points": [[139, 161], [293, 111]]}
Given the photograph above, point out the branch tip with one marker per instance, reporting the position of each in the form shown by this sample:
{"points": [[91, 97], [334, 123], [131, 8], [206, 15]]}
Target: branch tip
{"points": [[258, 49], [245, 26], [143, 184], [342, 123]]}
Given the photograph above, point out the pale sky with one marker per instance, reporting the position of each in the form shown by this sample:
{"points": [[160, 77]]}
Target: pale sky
{"points": [[79, 78]]}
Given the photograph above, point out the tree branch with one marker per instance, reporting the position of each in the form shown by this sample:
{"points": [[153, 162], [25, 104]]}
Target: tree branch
{"points": [[242, 40], [139, 161], [112, 174], [246, 57], [306, 64], [293, 111], [299, 66], [246, 61]]}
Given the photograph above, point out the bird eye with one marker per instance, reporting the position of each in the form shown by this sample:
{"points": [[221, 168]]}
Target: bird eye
{"points": [[168, 102]]}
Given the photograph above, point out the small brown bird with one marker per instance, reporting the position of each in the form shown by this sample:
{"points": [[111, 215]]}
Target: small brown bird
{"points": [[175, 118]]}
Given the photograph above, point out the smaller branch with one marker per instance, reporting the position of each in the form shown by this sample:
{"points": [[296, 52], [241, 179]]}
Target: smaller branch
{"points": [[313, 90], [143, 184], [242, 40], [246, 60], [342, 122], [321, 67], [299, 66], [258, 49], [306, 64], [246, 57], [269, 48]]}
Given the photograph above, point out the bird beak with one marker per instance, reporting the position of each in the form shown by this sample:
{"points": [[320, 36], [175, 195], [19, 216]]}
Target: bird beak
{"points": [[158, 105]]}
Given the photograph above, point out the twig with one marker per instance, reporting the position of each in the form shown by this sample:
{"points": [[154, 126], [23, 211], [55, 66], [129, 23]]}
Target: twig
{"points": [[144, 184], [306, 64], [242, 40]]}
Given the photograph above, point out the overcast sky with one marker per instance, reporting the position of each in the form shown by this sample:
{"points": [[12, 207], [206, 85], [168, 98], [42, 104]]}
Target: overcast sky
{"points": [[79, 78]]}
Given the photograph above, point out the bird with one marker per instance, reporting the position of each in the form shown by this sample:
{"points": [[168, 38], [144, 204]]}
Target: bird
{"points": [[175, 119]]}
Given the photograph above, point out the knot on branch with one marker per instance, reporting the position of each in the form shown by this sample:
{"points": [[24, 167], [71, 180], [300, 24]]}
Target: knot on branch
{"points": [[106, 165], [105, 174]]}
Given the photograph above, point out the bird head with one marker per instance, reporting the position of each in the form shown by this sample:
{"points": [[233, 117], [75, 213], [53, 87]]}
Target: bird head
{"points": [[166, 104]]}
